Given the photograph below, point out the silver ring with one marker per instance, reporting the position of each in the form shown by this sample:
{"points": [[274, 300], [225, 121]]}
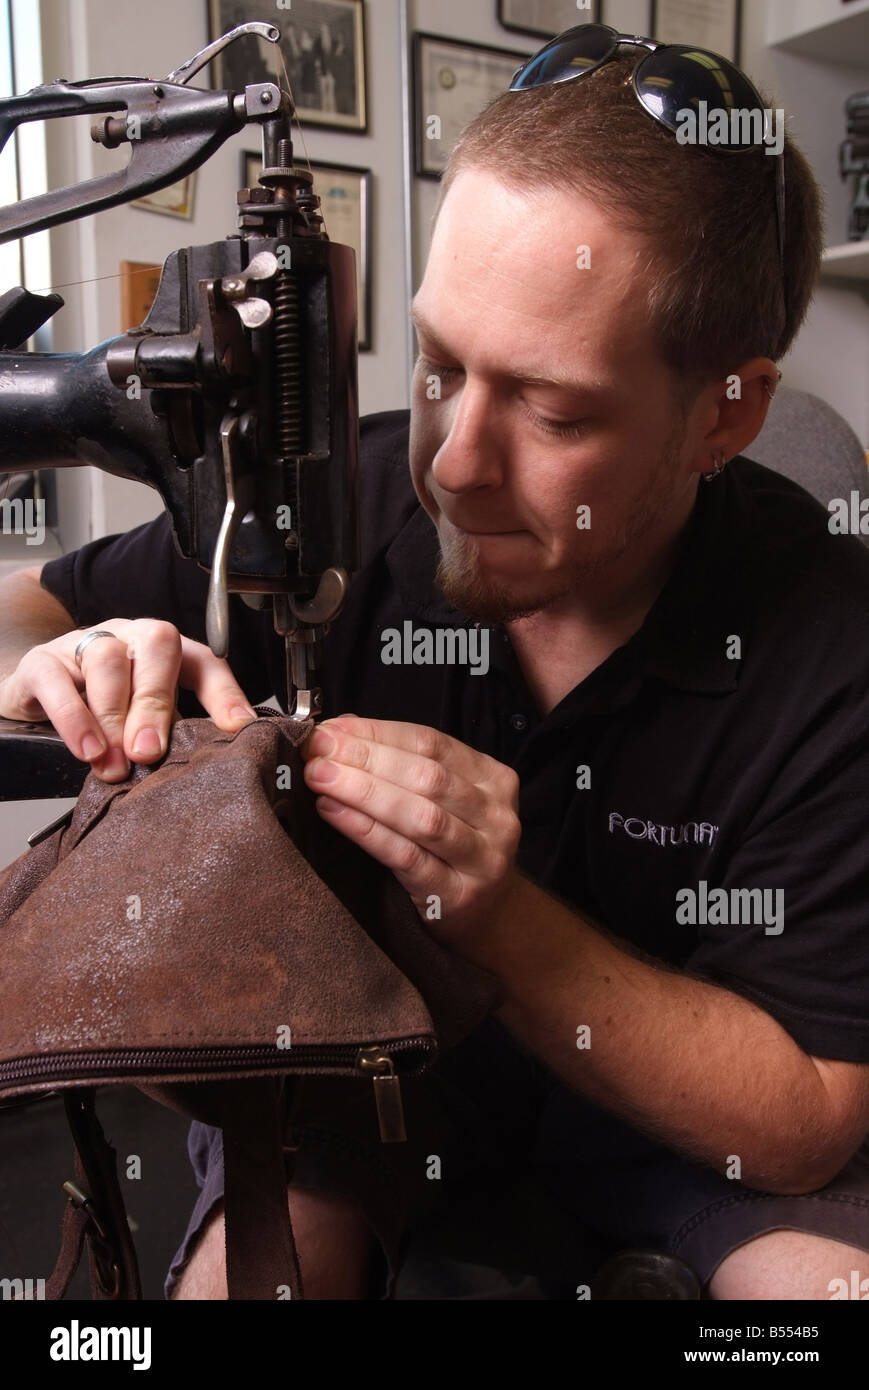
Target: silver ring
{"points": [[86, 641]]}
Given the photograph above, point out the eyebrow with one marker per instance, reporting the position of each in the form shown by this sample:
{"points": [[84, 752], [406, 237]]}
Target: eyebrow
{"points": [[564, 381]]}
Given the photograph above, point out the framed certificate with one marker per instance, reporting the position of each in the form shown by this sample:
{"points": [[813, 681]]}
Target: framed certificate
{"points": [[546, 17], [712, 24], [452, 83], [345, 202]]}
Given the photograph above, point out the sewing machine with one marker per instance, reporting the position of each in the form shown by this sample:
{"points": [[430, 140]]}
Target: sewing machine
{"points": [[236, 398]]}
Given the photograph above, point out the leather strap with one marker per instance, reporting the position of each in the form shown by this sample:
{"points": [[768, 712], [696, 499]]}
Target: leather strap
{"points": [[72, 1234], [114, 1269], [261, 1256]]}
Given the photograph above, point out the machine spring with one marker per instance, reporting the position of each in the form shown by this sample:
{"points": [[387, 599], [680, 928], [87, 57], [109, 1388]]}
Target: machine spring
{"points": [[288, 365]]}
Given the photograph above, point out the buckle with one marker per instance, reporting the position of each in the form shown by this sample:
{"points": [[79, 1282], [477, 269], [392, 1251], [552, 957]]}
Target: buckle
{"points": [[106, 1266]]}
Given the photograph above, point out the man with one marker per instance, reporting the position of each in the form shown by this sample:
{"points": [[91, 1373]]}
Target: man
{"points": [[645, 814]]}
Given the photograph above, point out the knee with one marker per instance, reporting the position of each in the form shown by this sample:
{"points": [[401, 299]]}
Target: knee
{"points": [[335, 1246], [786, 1264]]}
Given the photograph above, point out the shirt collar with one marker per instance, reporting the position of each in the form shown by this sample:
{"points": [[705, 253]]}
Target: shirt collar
{"points": [[690, 628]]}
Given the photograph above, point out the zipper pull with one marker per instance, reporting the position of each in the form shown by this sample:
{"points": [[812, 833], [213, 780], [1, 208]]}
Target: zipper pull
{"points": [[387, 1093]]}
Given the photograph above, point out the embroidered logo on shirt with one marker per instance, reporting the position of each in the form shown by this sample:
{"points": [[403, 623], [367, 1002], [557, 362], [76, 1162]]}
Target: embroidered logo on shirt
{"points": [[691, 833]]}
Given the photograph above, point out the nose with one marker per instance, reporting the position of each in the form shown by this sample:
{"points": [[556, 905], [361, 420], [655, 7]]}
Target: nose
{"points": [[472, 454]]}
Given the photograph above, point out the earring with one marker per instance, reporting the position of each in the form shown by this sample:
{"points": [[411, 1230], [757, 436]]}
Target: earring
{"points": [[771, 394], [718, 462]]}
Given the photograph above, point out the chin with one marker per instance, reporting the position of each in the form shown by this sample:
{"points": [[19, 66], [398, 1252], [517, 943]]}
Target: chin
{"points": [[486, 595]]}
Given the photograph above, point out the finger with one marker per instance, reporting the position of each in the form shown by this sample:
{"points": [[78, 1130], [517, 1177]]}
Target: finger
{"points": [[214, 685], [436, 781], [424, 822], [155, 649], [42, 682], [105, 669], [419, 872], [420, 739]]}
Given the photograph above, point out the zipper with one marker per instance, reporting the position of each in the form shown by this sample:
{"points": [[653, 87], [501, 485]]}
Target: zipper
{"points": [[82, 1067], [387, 1093]]}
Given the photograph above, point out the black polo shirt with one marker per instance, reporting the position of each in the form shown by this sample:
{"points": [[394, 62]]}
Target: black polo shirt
{"points": [[726, 743]]}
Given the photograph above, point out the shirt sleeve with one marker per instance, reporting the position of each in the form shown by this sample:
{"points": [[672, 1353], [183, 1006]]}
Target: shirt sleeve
{"points": [[141, 574], [804, 957]]}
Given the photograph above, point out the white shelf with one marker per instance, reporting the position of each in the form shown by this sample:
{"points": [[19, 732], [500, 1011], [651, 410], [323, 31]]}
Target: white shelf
{"points": [[847, 262], [827, 30]]}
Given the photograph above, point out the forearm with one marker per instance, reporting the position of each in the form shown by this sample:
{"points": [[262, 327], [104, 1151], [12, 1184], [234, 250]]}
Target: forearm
{"points": [[29, 615], [699, 1067]]}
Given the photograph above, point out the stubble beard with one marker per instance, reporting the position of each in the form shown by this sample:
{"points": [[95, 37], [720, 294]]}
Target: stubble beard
{"points": [[464, 583]]}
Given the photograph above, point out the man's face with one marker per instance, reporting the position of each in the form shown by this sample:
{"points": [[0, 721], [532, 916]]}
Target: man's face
{"points": [[538, 392]]}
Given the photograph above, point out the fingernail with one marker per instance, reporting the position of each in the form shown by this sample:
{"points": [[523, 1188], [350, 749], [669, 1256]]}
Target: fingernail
{"points": [[329, 805], [147, 743], [242, 712], [323, 743], [322, 770], [91, 746], [116, 767]]}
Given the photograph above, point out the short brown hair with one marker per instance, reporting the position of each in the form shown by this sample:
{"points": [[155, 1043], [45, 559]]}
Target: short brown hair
{"points": [[715, 281]]}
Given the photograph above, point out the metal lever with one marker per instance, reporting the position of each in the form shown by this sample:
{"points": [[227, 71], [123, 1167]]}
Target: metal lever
{"points": [[239, 499], [193, 65]]}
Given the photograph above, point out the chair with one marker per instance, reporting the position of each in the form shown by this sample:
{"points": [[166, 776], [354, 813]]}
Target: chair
{"points": [[807, 441]]}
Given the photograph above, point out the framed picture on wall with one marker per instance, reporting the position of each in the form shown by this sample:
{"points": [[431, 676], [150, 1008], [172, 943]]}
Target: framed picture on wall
{"points": [[712, 24], [452, 83], [176, 200], [546, 17], [322, 46], [345, 202]]}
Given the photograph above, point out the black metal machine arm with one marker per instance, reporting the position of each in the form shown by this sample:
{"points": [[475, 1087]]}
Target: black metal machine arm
{"points": [[236, 398]]}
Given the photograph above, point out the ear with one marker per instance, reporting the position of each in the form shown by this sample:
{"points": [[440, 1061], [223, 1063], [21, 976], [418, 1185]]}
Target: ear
{"points": [[734, 411]]}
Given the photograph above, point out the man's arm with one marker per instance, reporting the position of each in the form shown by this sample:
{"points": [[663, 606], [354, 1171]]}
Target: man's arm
{"points": [[702, 1068], [119, 704], [29, 614]]}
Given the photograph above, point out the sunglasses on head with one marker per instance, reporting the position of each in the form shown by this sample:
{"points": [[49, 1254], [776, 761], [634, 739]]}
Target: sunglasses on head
{"points": [[669, 81]]}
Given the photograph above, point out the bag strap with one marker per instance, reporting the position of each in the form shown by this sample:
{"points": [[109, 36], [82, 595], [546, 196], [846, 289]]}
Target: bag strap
{"points": [[261, 1257], [96, 1209]]}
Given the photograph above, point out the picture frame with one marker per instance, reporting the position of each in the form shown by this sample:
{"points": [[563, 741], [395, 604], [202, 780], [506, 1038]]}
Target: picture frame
{"points": [[452, 82], [345, 193], [176, 200], [712, 24], [546, 18], [322, 45]]}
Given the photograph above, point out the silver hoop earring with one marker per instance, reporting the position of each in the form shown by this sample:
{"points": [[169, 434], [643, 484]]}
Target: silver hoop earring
{"points": [[718, 462], [771, 394]]}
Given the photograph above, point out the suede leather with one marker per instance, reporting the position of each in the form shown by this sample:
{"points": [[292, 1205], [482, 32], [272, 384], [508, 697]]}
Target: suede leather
{"points": [[203, 905], [238, 935]]}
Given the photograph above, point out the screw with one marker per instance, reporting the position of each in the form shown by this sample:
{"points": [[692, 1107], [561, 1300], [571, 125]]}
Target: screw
{"points": [[266, 98]]}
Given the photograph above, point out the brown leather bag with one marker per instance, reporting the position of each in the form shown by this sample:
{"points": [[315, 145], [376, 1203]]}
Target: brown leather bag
{"points": [[199, 932]]}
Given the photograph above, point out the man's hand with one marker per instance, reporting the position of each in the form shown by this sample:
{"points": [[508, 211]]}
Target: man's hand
{"points": [[441, 816], [121, 703]]}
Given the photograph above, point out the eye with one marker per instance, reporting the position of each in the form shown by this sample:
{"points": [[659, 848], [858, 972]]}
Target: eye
{"points": [[436, 369], [565, 429]]}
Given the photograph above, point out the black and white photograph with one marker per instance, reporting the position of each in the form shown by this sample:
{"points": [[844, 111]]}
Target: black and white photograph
{"points": [[322, 46]]}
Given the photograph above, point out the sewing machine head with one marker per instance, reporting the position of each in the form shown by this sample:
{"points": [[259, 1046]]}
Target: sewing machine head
{"points": [[236, 398]]}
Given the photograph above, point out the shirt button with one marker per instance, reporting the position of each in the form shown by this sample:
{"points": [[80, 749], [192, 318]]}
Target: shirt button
{"points": [[519, 723]]}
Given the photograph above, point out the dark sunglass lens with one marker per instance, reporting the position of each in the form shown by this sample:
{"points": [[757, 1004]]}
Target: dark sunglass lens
{"points": [[675, 80], [572, 53]]}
